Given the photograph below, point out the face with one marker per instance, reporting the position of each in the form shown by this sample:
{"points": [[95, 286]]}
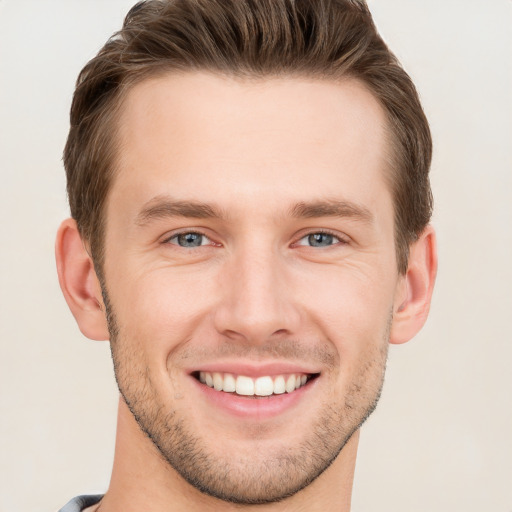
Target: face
{"points": [[250, 275]]}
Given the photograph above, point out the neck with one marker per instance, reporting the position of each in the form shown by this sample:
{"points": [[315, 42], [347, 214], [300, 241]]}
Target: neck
{"points": [[143, 480]]}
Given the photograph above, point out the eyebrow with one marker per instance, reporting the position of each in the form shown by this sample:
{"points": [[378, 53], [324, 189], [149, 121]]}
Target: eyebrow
{"points": [[332, 208], [162, 207]]}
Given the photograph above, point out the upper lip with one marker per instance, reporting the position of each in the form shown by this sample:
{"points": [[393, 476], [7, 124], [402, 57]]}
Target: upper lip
{"points": [[255, 369]]}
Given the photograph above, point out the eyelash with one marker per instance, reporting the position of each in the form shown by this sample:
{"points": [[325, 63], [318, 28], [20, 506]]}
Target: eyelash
{"points": [[340, 239], [337, 236], [192, 232]]}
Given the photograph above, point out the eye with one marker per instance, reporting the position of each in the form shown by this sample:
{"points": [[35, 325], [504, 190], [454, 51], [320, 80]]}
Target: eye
{"points": [[320, 239], [189, 239]]}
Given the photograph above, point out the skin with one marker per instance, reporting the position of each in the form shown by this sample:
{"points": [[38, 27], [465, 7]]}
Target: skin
{"points": [[254, 292]]}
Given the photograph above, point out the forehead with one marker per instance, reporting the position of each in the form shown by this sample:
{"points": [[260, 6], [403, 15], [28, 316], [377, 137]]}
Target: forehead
{"points": [[209, 137]]}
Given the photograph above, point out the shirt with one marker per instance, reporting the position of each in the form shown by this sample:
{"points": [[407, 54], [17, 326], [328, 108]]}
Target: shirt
{"points": [[81, 503]]}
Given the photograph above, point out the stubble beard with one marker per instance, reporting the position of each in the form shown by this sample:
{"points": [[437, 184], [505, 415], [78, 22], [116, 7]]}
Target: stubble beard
{"points": [[252, 479]]}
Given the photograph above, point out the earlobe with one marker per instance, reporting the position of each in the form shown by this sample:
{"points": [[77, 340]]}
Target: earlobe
{"points": [[414, 295], [79, 283]]}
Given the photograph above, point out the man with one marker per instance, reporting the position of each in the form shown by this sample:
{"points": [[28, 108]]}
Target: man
{"points": [[248, 182]]}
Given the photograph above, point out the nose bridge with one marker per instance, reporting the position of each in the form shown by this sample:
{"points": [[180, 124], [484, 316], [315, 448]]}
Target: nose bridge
{"points": [[255, 302]]}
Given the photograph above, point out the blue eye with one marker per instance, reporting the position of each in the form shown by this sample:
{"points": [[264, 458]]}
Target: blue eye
{"points": [[189, 239], [319, 240]]}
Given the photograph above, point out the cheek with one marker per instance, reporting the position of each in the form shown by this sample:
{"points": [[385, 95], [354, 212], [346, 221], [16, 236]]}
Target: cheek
{"points": [[353, 310], [161, 308], [355, 318]]}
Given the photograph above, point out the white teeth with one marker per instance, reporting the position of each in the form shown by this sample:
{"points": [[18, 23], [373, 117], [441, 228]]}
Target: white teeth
{"points": [[247, 386], [263, 386], [279, 385], [290, 384], [244, 386], [229, 383], [218, 381]]}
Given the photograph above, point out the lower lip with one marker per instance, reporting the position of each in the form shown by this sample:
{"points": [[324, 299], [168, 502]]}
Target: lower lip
{"points": [[254, 408]]}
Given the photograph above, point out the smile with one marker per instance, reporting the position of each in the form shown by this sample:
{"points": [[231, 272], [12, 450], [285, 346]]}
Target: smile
{"points": [[257, 387]]}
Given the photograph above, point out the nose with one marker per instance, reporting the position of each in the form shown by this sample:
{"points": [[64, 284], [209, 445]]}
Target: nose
{"points": [[256, 300]]}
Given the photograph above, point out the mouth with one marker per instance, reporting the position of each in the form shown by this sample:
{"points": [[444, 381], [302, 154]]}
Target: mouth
{"points": [[260, 387]]}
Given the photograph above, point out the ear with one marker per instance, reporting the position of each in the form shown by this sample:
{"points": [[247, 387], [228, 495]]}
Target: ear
{"points": [[79, 283], [414, 291]]}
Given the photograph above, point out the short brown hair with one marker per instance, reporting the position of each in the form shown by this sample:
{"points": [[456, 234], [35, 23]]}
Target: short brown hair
{"points": [[326, 39]]}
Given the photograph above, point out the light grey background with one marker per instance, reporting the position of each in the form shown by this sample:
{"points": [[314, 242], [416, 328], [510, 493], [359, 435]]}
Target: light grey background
{"points": [[441, 438]]}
